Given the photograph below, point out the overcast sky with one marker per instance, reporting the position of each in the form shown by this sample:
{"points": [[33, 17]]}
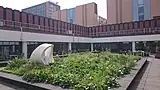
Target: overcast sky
{"points": [[20, 4]]}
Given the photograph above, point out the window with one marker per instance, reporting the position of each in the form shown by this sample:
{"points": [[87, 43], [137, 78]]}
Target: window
{"points": [[71, 21], [141, 9], [51, 6], [141, 17], [141, 2], [1, 43], [57, 8], [49, 13], [51, 10]]}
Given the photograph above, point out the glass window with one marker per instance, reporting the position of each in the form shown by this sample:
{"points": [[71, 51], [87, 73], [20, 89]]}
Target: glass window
{"points": [[140, 2], [51, 6], [141, 17], [71, 21], [57, 9], [12, 43], [141, 9], [1, 43], [16, 43], [50, 11], [6, 43]]}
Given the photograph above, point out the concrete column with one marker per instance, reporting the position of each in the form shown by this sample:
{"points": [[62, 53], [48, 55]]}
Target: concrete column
{"points": [[91, 46], [24, 49], [13, 48], [133, 46], [69, 46]]}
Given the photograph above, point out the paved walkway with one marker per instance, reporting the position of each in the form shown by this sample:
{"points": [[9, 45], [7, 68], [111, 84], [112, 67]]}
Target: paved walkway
{"points": [[5, 86], [149, 78]]}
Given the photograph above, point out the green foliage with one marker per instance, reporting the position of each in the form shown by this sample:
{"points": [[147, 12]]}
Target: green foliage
{"points": [[83, 71], [16, 63], [15, 66]]}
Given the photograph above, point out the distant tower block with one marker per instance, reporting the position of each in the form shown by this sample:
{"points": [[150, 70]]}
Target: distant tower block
{"points": [[43, 54]]}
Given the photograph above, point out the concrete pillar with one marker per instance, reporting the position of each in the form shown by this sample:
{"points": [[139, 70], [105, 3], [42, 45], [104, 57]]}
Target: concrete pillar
{"points": [[13, 48], [91, 46], [24, 49], [69, 46], [133, 46]]}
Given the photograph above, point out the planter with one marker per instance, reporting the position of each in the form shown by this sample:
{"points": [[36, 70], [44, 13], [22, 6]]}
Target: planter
{"points": [[65, 77]]}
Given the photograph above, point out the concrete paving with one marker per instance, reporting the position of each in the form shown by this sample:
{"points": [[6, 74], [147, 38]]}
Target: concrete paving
{"points": [[5, 86], [149, 77]]}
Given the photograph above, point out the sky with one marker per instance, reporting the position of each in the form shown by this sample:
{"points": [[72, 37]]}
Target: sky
{"points": [[20, 4]]}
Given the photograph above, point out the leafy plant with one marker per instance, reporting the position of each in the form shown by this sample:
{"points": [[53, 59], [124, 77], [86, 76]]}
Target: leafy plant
{"points": [[81, 71], [16, 63]]}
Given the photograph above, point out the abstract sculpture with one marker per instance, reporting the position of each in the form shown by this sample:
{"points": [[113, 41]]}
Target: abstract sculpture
{"points": [[43, 54]]}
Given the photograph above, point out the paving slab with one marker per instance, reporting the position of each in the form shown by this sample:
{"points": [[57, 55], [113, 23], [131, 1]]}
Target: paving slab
{"points": [[3, 87]]}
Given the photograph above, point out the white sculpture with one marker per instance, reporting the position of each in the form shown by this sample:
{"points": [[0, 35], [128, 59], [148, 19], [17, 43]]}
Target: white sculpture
{"points": [[43, 54]]}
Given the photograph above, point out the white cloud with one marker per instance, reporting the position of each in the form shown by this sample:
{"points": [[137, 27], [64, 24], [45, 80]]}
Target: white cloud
{"points": [[20, 4]]}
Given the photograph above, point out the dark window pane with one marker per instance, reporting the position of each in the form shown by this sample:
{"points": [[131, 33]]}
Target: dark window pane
{"points": [[141, 9]]}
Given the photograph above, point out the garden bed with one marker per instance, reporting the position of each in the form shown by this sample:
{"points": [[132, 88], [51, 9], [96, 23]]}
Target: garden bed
{"points": [[89, 71]]}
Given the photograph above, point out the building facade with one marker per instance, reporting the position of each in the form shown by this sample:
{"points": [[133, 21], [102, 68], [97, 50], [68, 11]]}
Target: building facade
{"points": [[102, 21], [21, 33], [85, 15], [119, 11], [45, 9]]}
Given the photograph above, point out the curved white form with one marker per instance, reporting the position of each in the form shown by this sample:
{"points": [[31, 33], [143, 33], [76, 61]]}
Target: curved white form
{"points": [[43, 54]]}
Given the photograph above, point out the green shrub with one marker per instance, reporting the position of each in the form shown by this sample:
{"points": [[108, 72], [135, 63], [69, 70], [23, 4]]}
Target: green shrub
{"points": [[17, 63], [84, 71]]}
